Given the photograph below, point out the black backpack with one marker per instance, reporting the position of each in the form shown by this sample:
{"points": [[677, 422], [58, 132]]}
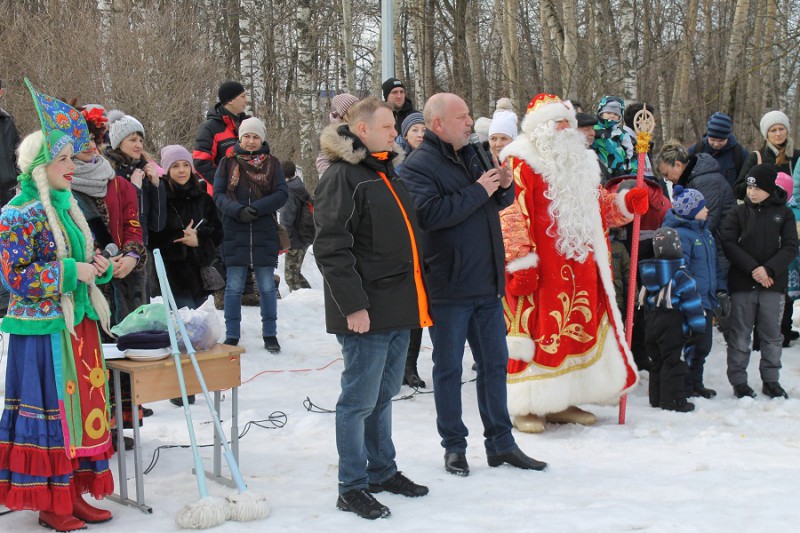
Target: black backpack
{"points": [[304, 222]]}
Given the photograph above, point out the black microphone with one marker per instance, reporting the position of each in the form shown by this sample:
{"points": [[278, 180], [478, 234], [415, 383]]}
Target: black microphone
{"points": [[109, 251], [483, 157]]}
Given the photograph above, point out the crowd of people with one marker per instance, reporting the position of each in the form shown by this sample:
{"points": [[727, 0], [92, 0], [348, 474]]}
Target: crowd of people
{"points": [[518, 245]]}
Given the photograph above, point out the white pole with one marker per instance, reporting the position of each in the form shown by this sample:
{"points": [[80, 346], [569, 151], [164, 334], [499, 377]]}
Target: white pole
{"points": [[387, 39]]}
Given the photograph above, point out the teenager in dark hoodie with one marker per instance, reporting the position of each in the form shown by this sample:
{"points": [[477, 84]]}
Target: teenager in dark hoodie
{"points": [[720, 143]]}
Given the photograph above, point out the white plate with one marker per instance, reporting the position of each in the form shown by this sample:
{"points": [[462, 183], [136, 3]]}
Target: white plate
{"points": [[148, 355]]}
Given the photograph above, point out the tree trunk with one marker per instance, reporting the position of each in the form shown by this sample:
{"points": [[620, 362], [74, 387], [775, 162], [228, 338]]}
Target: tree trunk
{"points": [[510, 40], [549, 21], [627, 38], [680, 91], [305, 83], [478, 85], [399, 57], [733, 65], [347, 39], [569, 75]]}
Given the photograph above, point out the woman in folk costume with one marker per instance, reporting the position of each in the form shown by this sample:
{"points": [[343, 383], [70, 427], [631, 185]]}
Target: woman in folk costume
{"points": [[54, 432], [565, 334]]}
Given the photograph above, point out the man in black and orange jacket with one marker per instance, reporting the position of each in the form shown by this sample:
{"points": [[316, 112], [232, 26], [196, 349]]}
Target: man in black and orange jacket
{"points": [[220, 131]]}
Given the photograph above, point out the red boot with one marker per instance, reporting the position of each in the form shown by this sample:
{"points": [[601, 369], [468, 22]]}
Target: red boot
{"points": [[88, 513], [60, 522]]}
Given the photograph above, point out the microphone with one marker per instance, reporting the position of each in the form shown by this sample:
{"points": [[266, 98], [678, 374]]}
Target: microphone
{"points": [[483, 157], [109, 251]]}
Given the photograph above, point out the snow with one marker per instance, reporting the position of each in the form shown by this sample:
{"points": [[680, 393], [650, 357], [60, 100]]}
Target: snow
{"points": [[732, 465]]}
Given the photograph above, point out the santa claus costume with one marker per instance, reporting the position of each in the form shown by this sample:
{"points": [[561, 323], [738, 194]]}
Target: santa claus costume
{"points": [[565, 334]]}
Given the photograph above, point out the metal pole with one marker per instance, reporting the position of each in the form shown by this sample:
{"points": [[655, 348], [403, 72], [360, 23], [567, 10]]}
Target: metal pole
{"points": [[387, 39]]}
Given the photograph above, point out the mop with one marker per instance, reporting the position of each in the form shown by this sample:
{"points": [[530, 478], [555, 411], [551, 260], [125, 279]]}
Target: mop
{"points": [[208, 512]]}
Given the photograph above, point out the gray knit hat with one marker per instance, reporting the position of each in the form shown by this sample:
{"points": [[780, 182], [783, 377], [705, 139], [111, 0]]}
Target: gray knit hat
{"points": [[253, 125], [123, 127], [772, 118]]}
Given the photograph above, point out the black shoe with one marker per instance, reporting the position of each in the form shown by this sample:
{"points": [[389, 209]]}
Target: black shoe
{"points": [[271, 344], [146, 411], [231, 342], [794, 335], [475, 367], [773, 389], [703, 392], [743, 390], [129, 442], [179, 401], [517, 458], [362, 503], [456, 464], [680, 406], [412, 379], [399, 484]]}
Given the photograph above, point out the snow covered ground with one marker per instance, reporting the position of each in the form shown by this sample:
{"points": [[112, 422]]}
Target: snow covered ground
{"points": [[732, 465]]}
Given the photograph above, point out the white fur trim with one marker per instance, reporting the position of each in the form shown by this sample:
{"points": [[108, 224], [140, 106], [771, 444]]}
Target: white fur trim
{"points": [[521, 263], [554, 111], [520, 348], [620, 200]]}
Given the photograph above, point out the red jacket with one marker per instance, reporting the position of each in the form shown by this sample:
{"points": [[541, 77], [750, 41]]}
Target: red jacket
{"points": [[123, 217]]}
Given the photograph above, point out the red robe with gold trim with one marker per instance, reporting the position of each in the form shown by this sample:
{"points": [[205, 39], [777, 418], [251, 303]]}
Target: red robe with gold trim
{"points": [[565, 339]]}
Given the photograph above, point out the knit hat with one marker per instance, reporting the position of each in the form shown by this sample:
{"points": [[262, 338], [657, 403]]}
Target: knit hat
{"points": [[719, 126], [172, 154], [123, 127], [481, 127], [388, 85], [228, 91], [585, 119], [253, 125], [687, 203], [772, 118], [667, 244], [611, 104], [762, 176], [784, 181], [339, 106], [411, 120], [504, 122], [546, 107]]}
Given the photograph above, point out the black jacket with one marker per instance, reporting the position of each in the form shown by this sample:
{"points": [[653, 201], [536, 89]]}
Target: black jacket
{"points": [[767, 156], [9, 139], [249, 243], [702, 173], [363, 245], [754, 235], [730, 158], [298, 194], [402, 113], [216, 136], [183, 263], [461, 238]]}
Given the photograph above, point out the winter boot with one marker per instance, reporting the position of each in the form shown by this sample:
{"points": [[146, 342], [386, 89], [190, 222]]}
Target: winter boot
{"points": [[88, 513], [773, 389], [271, 344], [60, 522], [680, 406], [529, 423], [231, 342], [411, 375], [743, 389], [702, 391], [179, 401], [571, 415]]}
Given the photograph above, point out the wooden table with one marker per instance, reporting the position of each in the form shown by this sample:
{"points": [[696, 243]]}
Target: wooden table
{"points": [[153, 381]]}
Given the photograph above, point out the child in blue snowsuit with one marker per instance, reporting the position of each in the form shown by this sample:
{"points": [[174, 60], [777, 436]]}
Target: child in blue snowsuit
{"points": [[673, 316], [688, 218]]}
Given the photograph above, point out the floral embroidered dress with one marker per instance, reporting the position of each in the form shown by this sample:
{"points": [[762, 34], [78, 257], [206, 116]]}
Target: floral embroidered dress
{"points": [[54, 432]]}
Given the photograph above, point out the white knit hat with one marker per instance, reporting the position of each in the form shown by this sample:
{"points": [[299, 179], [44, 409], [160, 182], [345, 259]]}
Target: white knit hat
{"points": [[504, 122], [255, 126], [123, 127], [772, 118]]}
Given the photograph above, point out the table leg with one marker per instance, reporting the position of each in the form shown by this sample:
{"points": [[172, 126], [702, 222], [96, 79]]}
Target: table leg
{"points": [[137, 451], [121, 465], [217, 441], [235, 423]]}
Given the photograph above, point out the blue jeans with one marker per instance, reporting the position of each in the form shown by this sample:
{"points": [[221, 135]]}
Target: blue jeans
{"points": [[233, 300], [372, 375], [482, 324]]}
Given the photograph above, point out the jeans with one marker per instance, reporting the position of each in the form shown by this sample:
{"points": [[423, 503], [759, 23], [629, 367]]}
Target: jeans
{"points": [[233, 300], [373, 372], [482, 324]]}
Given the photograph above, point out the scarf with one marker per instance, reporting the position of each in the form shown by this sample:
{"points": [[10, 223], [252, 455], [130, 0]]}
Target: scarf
{"points": [[255, 168], [782, 153], [92, 179]]}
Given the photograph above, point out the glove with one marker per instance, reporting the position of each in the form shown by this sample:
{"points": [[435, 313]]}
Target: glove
{"points": [[247, 214], [724, 309], [636, 201], [523, 282]]}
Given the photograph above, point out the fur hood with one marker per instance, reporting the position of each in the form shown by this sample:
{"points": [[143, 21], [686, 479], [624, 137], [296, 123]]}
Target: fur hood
{"points": [[339, 146]]}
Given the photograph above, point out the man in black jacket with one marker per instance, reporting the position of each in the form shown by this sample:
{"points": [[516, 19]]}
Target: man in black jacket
{"points": [[394, 93], [458, 205], [367, 251]]}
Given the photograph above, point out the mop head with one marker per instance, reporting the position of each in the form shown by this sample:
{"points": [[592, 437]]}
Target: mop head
{"points": [[246, 506], [203, 514]]}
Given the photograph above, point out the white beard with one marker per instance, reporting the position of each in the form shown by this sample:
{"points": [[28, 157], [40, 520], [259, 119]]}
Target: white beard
{"points": [[564, 163]]}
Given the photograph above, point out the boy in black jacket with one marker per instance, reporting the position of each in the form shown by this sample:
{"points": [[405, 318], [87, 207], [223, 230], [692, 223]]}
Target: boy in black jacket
{"points": [[759, 238]]}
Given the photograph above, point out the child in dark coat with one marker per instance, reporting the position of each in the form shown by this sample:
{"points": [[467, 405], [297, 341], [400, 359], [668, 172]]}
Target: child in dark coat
{"points": [[688, 217], [759, 238], [673, 315]]}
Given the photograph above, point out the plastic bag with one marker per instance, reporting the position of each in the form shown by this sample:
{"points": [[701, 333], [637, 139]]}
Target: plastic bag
{"points": [[144, 317], [203, 326]]}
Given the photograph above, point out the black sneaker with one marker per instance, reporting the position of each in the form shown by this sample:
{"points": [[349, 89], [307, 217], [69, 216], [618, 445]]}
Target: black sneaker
{"points": [[271, 344], [399, 484], [231, 342], [742, 390], [773, 389], [362, 503]]}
